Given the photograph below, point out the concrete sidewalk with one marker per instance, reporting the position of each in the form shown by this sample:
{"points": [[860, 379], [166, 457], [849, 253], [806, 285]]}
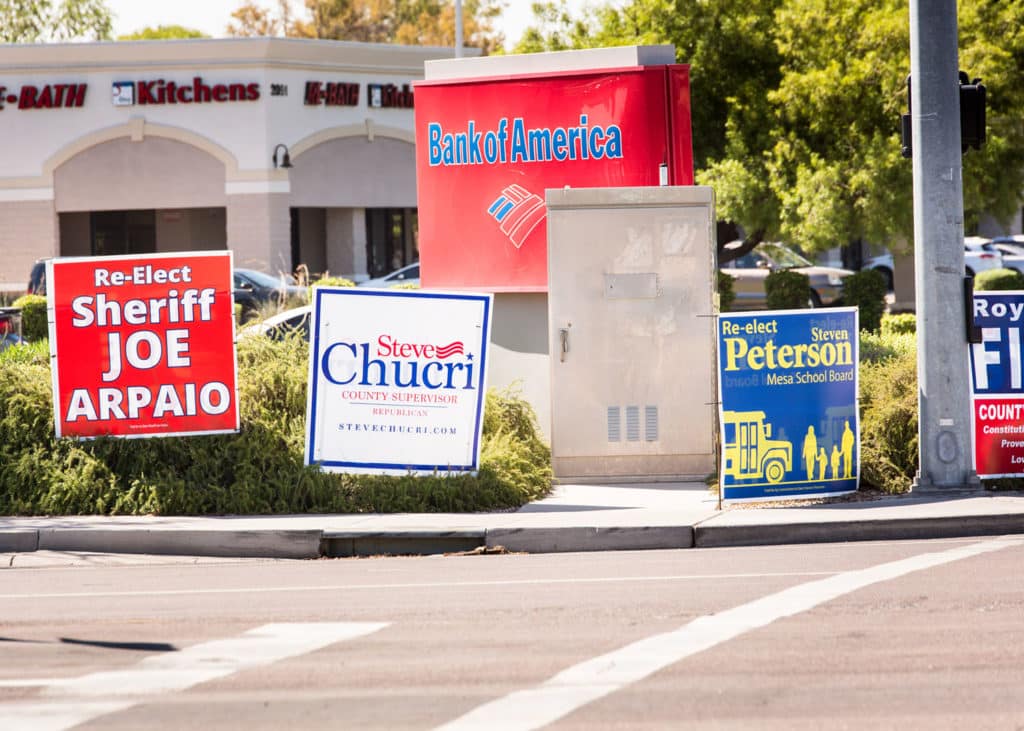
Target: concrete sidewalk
{"points": [[574, 518]]}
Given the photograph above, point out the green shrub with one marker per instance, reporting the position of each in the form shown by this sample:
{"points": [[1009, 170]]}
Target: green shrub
{"points": [[33, 317], [888, 421], [726, 291], [866, 290], [787, 290], [877, 347], [333, 282], [903, 323], [998, 280], [259, 470]]}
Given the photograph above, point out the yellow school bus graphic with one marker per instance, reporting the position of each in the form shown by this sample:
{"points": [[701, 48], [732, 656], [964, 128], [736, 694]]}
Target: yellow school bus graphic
{"points": [[750, 452]]}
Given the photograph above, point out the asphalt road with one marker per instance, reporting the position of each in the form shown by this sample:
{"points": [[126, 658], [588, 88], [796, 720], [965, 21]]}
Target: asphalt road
{"points": [[925, 634]]}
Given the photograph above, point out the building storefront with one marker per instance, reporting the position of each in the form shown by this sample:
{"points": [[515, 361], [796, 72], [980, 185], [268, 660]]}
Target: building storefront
{"points": [[133, 147]]}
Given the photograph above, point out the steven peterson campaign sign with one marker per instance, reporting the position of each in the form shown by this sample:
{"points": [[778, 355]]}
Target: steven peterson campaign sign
{"points": [[488, 148], [788, 403], [142, 345]]}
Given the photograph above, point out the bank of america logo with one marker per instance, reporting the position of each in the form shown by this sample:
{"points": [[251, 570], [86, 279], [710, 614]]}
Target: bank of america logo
{"points": [[518, 212]]}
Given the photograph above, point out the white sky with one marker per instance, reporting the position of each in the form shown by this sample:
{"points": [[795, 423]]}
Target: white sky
{"points": [[212, 16]]}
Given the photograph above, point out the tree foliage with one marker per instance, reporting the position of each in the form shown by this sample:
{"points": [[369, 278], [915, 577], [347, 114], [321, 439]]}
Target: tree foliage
{"points": [[796, 106], [250, 19], [42, 21], [162, 33], [408, 22]]}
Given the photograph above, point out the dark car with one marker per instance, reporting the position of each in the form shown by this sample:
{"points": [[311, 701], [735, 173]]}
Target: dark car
{"points": [[750, 271], [283, 324], [254, 290]]}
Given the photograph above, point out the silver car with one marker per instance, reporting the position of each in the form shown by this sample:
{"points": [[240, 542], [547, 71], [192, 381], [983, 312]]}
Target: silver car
{"points": [[750, 270]]}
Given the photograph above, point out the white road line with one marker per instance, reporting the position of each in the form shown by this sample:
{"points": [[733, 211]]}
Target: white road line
{"points": [[581, 684], [414, 585], [110, 691]]}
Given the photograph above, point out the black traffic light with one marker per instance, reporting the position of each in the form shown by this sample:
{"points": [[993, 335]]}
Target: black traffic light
{"points": [[972, 116], [972, 113]]}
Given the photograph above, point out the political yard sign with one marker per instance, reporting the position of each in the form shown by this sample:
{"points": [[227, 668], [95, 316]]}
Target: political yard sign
{"points": [[396, 380], [142, 346], [997, 385], [788, 404]]}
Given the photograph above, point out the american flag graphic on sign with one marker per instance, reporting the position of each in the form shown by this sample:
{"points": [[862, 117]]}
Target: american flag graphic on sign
{"points": [[447, 351]]}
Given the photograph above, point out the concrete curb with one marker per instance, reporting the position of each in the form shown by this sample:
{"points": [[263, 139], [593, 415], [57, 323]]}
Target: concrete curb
{"points": [[224, 543], [563, 540], [18, 541], [314, 543], [712, 536], [343, 544]]}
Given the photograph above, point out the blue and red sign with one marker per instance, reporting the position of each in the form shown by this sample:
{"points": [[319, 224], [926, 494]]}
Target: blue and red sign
{"points": [[997, 385], [487, 149], [788, 404]]}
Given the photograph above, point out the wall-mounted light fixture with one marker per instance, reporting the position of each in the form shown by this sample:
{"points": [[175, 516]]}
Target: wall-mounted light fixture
{"points": [[286, 160]]}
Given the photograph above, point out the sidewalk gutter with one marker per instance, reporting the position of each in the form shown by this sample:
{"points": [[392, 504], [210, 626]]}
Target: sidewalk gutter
{"points": [[226, 543], [892, 529], [561, 540], [344, 544]]}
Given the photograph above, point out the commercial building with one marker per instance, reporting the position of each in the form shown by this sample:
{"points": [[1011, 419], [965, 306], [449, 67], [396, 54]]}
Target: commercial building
{"points": [[288, 152]]}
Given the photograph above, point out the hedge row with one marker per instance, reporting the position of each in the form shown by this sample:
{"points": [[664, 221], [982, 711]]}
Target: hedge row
{"points": [[259, 470]]}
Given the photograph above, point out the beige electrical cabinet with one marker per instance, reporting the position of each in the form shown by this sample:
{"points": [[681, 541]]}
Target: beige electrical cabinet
{"points": [[631, 292]]}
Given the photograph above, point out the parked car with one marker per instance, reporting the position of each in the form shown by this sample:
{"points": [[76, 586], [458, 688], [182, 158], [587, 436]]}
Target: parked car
{"points": [[882, 264], [254, 289], [1013, 255], [750, 270], [980, 255], [409, 274], [283, 324]]}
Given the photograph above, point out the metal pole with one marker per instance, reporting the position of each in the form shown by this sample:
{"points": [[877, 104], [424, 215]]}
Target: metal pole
{"points": [[944, 426], [458, 28]]}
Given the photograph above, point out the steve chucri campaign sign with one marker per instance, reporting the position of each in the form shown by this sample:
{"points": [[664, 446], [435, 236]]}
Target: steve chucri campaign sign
{"points": [[396, 380], [788, 403], [142, 346]]}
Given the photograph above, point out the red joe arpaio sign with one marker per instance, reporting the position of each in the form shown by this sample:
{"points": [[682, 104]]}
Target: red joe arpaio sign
{"points": [[487, 149], [143, 346]]}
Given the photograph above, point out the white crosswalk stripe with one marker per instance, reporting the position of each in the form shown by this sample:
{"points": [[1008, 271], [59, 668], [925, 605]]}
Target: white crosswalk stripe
{"points": [[61, 706], [592, 679]]}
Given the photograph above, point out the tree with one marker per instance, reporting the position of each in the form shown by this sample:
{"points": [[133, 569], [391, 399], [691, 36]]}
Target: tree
{"points": [[833, 166], [162, 33], [250, 19], [796, 108], [409, 22], [555, 29], [733, 62], [39, 21]]}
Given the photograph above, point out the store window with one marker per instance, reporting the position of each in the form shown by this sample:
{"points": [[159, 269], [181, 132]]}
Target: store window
{"points": [[392, 239], [122, 232]]}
